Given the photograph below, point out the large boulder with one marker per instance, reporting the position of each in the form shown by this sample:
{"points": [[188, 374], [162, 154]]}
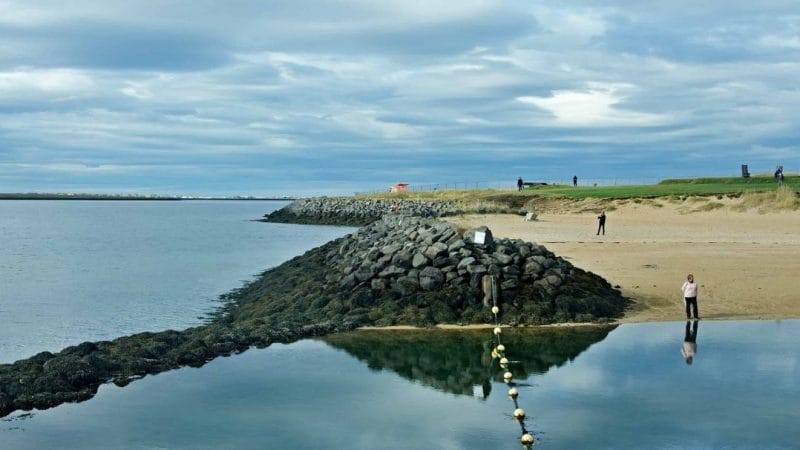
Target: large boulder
{"points": [[431, 278]]}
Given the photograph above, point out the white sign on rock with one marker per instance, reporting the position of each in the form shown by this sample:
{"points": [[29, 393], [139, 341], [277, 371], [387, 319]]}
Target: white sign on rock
{"points": [[480, 237]]}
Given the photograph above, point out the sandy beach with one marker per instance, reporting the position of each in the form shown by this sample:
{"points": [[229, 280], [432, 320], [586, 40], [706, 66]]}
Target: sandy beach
{"points": [[746, 262]]}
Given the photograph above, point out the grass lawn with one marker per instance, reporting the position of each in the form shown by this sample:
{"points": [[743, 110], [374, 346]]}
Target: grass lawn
{"points": [[679, 187]]}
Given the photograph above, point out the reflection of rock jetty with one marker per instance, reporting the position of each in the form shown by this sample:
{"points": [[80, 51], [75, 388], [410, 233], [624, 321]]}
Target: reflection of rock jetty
{"points": [[457, 361], [357, 212], [400, 270]]}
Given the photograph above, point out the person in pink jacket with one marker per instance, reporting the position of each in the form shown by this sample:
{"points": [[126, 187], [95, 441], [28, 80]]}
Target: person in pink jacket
{"points": [[689, 289]]}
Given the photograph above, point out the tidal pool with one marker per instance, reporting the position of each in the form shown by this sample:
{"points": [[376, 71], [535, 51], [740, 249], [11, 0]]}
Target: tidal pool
{"points": [[624, 387]]}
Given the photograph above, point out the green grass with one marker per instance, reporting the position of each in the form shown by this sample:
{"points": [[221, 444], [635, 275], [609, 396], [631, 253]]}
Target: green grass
{"points": [[666, 188], [696, 186]]}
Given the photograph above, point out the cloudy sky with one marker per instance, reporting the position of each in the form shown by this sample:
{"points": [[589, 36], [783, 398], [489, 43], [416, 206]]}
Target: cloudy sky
{"points": [[311, 97]]}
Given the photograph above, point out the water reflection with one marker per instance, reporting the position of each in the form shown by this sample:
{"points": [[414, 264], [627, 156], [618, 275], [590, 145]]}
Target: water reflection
{"points": [[689, 348], [460, 362], [629, 392]]}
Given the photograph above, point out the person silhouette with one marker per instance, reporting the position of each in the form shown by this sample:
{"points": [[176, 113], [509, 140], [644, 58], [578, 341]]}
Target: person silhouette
{"points": [[689, 289], [574, 180], [601, 223], [689, 348], [520, 184]]}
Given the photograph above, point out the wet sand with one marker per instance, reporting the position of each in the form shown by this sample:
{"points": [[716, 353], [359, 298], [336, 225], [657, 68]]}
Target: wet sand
{"points": [[747, 263]]}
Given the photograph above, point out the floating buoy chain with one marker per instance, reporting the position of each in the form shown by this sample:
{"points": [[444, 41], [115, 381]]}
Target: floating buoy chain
{"points": [[499, 353]]}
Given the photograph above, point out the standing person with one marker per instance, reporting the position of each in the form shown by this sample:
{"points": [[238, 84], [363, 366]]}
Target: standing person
{"points": [[519, 184], [689, 348], [574, 180], [601, 223], [689, 289]]}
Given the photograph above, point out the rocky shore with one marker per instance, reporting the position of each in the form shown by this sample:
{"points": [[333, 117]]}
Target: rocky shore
{"points": [[398, 270], [357, 212]]}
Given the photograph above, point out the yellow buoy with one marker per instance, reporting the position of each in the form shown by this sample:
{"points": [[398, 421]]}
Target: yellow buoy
{"points": [[501, 348], [495, 310], [497, 330], [513, 393], [503, 361], [526, 439], [519, 414], [507, 376], [495, 355]]}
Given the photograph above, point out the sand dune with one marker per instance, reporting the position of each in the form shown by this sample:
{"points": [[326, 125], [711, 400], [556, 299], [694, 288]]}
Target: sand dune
{"points": [[747, 263]]}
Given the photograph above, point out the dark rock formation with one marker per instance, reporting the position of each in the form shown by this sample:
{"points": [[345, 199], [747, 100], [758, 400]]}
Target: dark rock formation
{"points": [[355, 212], [398, 270]]}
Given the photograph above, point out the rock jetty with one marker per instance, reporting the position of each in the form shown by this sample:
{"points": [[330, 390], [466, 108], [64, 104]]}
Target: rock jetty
{"points": [[397, 270], [410, 257], [358, 212]]}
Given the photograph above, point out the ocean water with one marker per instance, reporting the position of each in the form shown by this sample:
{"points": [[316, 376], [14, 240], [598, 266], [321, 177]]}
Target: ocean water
{"points": [[75, 271], [625, 387], [72, 271]]}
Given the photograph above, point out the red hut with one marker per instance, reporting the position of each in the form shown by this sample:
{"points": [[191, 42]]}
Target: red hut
{"points": [[399, 187]]}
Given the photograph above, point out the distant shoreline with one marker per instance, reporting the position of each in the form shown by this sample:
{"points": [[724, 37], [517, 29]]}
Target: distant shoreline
{"points": [[4, 196]]}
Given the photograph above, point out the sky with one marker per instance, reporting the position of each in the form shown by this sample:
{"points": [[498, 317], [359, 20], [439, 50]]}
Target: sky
{"points": [[310, 97]]}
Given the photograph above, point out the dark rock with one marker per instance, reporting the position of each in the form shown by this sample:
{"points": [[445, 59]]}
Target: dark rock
{"points": [[476, 269], [509, 284], [503, 259], [391, 271], [348, 282], [402, 259], [444, 261], [466, 262], [419, 260], [455, 246], [431, 278], [435, 250]]}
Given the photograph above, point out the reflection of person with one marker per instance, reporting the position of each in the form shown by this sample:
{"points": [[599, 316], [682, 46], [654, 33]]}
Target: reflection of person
{"points": [[689, 348], [601, 223], [689, 289], [519, 183]]}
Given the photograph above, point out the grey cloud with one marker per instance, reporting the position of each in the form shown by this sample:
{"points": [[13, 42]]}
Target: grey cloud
{"points": [[110, 45]]}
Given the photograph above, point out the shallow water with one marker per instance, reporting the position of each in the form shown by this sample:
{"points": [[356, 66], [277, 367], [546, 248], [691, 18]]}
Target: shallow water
{"points": [[625, 387], [72, 271]]}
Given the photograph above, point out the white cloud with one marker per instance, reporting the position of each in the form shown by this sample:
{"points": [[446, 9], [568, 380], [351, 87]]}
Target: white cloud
{"points": [[25, 83], [574, 26], [595, 106]]}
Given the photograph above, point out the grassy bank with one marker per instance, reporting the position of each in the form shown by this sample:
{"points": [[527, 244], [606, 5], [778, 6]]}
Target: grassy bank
{"points": [[666, 188]]}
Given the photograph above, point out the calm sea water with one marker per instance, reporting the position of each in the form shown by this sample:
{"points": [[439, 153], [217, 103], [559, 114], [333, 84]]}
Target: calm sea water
{"points": [[75, 271], [615, 388], [72, 271]]}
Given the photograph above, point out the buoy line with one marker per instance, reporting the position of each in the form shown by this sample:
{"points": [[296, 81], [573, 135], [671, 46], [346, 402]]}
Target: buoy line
{"points": [[499, 353]]}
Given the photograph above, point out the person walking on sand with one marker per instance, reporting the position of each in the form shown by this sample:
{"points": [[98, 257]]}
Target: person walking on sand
{"points": [[689, 289], [689, 348], [601, 223], [519, 183]]}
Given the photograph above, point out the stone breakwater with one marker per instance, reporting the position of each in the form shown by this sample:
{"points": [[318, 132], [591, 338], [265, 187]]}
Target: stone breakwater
{"points": [[410, 255], [355, 212], [75, 373], [400, 270]]}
